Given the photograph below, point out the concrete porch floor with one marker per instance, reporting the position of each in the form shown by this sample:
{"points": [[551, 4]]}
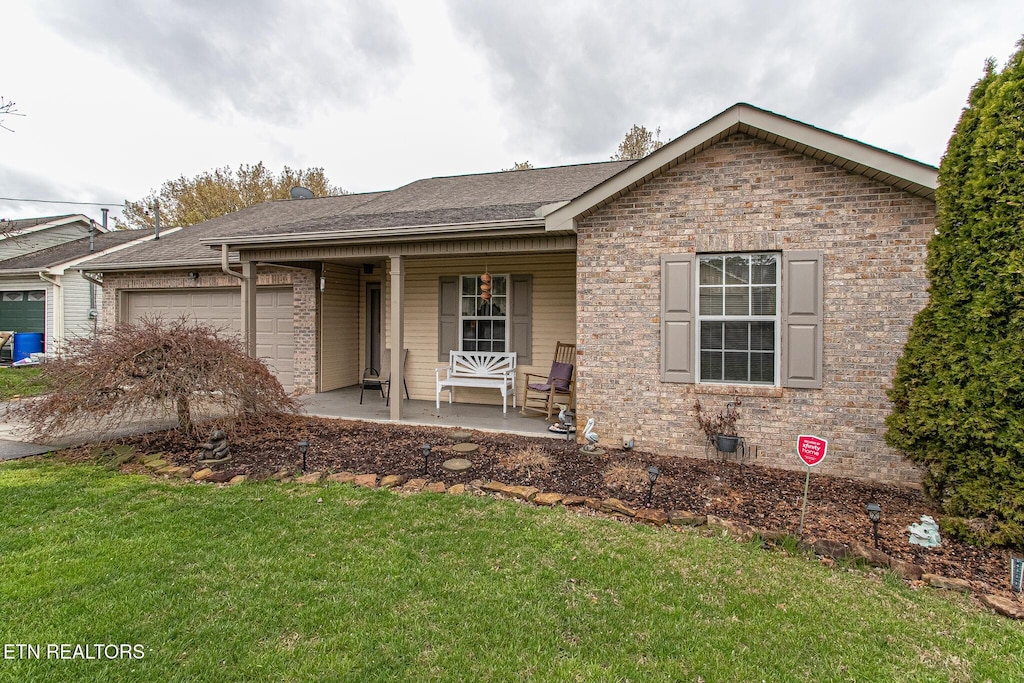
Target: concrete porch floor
{"points": [[344, 404]]}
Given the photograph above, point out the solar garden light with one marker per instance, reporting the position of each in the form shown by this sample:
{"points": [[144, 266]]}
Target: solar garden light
{"points": [[426, 456], [874, 512], [652, 477], [303, 447]]}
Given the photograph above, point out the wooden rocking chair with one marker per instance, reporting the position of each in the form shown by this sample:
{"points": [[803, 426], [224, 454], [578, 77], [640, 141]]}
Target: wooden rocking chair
{"points": [[559, 386]]}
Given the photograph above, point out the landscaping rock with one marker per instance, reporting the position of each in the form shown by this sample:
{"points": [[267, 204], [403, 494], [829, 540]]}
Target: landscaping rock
{"points": [[649, 516], [829, 548], [156, 464], [521, 492], [908, 570], [493, 486], [281, 475], [222, 477], [309, 478], [414, 485], [738, 530], [457, 489], [366, 480], [146, 459], [685, 518], [572, 501], [547, 499], [237, 479], [1005, 606], [183, 472], [947, 583], [341, 477], [435, 487], [392, 481], [202, 474], [862, 551], [616, 507]]}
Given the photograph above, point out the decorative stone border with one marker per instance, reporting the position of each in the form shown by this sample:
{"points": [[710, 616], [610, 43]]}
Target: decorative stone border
{"points": [[828, 550]]}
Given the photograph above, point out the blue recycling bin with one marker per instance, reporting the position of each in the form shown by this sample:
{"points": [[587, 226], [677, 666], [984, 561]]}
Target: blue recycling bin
{"points": [[25, 344]]}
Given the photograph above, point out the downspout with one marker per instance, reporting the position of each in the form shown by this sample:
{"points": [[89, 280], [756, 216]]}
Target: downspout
{"points": [[224, 263], [58, 311]]}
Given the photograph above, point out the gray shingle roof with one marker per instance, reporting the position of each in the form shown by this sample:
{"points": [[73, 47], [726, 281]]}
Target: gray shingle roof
{"points": [[69, 251], [452, 200]]}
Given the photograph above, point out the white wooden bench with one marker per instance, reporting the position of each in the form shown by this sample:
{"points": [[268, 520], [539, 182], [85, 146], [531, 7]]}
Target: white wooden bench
{"points": [[485, 369]]}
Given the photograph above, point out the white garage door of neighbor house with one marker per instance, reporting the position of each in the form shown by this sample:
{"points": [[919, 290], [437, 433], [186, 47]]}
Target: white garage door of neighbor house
{"points": [[221, 308]]}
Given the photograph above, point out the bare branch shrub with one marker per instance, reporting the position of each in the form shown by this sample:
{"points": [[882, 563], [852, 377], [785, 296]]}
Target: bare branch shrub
{"points": [[626, 477], [134, 370], [531, 461]]}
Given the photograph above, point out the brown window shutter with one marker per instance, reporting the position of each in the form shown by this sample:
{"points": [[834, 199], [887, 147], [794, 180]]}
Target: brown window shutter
{"points": [[802, 294], [677, 318], [521, 319], [447, 317]]}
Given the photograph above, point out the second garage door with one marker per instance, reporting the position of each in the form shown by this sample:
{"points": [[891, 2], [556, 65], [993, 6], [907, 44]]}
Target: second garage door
{"points": [[275, 336]]}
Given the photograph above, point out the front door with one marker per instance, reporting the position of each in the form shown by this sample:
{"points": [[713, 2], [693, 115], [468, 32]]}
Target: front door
{"points": [[373, 326]]}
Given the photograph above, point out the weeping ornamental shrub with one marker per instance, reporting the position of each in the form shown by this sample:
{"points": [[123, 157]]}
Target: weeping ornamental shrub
{"points": [[130, 371], [958, 394]]}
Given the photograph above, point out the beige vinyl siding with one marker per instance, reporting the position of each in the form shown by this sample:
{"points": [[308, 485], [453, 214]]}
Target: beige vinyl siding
{"points": [[76, 306], [340, 341], [554, 314], [16, 245]]}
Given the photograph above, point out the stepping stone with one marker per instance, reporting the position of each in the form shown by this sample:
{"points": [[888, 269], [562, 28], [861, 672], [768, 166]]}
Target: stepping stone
{"points": [[459, 436], [465, 447], [457, 464]]}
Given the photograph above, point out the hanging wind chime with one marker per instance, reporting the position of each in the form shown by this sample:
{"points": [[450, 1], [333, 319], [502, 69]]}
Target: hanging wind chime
{"points": [[485, 286]]}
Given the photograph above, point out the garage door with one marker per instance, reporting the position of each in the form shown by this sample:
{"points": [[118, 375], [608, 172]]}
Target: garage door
{"points": [[222, 308]]}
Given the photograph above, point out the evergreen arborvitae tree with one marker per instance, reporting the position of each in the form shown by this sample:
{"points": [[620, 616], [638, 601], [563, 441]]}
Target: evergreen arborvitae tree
{"points": [[958, 395]]}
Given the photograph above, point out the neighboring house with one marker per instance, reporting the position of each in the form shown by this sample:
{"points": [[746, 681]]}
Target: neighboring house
{"points": [[755, 258], [43, 290]]}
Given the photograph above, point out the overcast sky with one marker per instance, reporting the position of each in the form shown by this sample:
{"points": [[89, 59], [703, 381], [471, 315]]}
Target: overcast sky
{"points": [[118, 97]]}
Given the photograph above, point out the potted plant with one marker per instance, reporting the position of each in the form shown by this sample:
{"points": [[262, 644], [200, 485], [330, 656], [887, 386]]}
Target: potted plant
{"points": [[720, 427]]}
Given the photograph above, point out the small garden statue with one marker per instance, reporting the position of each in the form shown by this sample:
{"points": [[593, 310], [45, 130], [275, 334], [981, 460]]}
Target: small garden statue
{"points": [[215, 450], [925, 534]]}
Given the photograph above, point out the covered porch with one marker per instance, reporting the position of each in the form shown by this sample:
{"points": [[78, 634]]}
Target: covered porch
{"points": [[344, 404]]}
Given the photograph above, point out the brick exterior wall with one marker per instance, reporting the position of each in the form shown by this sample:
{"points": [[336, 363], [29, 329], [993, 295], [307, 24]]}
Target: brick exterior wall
{"points": [[304, 302], [744, 194]]}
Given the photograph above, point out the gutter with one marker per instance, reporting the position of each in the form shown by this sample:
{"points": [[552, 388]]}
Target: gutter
{"points": [[394, 233]]}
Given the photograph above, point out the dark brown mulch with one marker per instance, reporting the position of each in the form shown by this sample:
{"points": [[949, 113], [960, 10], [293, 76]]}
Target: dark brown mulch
{"points": [[765, 498]]}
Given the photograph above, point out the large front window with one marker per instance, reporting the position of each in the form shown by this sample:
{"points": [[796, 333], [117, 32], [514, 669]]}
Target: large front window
{"points": [[738, 317], [484, 323]]}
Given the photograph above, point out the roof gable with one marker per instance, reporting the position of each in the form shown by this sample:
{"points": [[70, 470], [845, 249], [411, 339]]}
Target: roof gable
{"points": [[848, 154]]}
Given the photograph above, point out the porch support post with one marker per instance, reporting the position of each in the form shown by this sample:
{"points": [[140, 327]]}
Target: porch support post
{"points": [[249, 307], [397, 334]]}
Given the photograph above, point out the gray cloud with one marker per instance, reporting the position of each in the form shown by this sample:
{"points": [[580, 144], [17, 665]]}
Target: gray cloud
{"points": [[18, 184], [577, 76], [264, 59]]}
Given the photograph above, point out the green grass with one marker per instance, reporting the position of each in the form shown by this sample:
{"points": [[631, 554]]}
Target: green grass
{"points": [[20, 382], [270, 582]]}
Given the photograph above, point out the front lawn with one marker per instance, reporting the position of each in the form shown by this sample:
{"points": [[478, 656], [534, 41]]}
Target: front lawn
{"points": [[263, 581], [20, 382]]}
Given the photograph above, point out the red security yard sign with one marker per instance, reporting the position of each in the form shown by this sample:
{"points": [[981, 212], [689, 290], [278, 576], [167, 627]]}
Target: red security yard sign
{"points": [[811, 449]]}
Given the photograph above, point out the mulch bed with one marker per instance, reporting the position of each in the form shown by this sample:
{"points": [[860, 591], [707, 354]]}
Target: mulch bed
{"points": [[765, 498]]}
